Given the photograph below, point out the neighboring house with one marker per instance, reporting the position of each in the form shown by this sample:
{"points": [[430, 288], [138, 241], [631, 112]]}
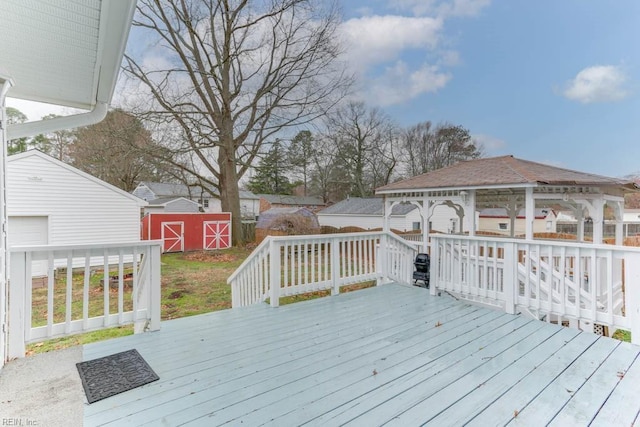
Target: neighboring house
{"points": [[151, 191], [496, 220], [52, 203], [172, 204], [249, 205], [165, 196], [368, 213], [631, 222], [269, 201]]}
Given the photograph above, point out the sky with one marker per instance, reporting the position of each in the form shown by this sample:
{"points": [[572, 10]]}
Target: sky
{"points": [[551, 81]]}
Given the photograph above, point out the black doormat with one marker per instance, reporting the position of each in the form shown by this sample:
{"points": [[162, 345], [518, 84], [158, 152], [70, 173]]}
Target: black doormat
{"points": [[114, 374]]}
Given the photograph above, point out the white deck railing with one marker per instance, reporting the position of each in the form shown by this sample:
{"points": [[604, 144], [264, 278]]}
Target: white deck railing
{"points": [[118, 284], [579, 283], [291, 265]]}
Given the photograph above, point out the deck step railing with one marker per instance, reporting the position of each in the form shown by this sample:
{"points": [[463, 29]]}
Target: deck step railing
{"points": [[291, 265], [55, 291], [561, 282]]}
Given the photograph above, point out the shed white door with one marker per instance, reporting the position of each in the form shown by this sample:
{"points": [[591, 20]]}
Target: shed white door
{"points": [[30, 231], [173, 236], [216, 234]]}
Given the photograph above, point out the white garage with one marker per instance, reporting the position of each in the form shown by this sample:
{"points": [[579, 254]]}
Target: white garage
{"points": [[50, 202]]}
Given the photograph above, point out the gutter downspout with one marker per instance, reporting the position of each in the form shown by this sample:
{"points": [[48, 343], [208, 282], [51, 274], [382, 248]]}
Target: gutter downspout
{"points": [[5, 84], [22, 130]]}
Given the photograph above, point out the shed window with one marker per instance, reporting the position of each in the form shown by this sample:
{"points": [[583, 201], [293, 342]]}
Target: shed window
{"points": [[503, 226]]}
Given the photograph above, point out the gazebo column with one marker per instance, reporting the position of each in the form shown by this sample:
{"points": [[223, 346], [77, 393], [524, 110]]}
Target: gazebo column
{"points": [[426, 228], [578, 212], [470, 213], [388, 207], [529, 213]]}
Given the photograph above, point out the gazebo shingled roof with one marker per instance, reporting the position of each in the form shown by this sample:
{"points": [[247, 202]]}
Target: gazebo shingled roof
{"points": [[502, 171]]}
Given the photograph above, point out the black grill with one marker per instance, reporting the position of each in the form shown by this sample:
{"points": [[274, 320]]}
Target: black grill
{"points": [[421, 274]]}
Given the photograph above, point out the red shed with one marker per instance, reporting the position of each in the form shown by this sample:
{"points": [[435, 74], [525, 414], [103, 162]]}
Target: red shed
{"points": [[188, 231]]}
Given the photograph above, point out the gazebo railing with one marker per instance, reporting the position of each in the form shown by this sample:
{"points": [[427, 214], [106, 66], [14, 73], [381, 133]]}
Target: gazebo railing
{"points": [[562, 282]]}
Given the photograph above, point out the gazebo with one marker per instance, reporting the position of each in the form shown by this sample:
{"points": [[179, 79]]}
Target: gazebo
{"points": [[513, 184]]}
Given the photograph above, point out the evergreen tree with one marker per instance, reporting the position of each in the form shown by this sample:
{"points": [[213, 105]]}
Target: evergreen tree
{"points": [[270, 176]]}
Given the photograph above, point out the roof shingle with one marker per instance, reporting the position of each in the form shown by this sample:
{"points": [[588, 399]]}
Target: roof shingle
{"points": [[499, 171]]}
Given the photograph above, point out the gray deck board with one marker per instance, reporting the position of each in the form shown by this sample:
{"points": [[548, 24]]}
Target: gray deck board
{"points": [[391, 354]]}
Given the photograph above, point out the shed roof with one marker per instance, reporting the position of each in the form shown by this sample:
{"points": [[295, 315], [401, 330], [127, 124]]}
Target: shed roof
{"points": [[84, 175], [503, 171], [62, 52], [365, 206]]}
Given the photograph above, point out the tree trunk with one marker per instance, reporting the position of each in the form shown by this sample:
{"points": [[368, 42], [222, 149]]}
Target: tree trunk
{"points": [[229, 193]]}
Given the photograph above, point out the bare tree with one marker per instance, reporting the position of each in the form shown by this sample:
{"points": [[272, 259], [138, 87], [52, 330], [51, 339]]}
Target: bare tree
{"points": [[364, 136], [429, 148], [116, 150], [235, 74]]}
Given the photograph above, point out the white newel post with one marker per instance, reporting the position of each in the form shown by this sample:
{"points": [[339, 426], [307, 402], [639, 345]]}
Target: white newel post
{"points": [[382, 260], [632, 293], [17, 322], [156, 288], [510, 277], [434, 265], [335, 266], [274, 271]]}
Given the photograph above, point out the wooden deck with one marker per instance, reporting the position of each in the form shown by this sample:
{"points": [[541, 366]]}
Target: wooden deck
{"points": [[387, 355]]}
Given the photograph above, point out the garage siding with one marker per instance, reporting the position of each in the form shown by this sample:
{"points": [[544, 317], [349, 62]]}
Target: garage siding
{"points": [[80, 210]]}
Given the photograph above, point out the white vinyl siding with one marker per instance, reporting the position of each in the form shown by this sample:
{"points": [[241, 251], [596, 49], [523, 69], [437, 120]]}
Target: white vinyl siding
{"points": [[80, 210]]}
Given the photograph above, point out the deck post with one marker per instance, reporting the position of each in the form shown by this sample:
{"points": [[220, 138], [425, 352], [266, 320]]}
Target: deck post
{"points": [[434, 265], [382, 260], [17, 305], [155, 288], [509, 277], [632, 293], [335, 266], [274, 271]]}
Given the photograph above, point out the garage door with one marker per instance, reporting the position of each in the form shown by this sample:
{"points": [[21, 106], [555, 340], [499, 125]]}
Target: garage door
{"points": [[30, 231]]}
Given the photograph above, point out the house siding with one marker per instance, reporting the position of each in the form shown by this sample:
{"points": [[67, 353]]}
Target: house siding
{"points": [[79, 209], [144, 192], [440, 220]]}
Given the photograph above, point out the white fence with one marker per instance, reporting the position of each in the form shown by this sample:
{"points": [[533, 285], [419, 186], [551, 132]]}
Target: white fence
{"points": [[291, 265], [125, 289], [577, 283]]}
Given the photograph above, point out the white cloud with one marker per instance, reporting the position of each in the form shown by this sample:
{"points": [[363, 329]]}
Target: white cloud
{"points": [[441, 8], [490, 143], [599, 83], [37, 110], [399, 83], [376, 39]]}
